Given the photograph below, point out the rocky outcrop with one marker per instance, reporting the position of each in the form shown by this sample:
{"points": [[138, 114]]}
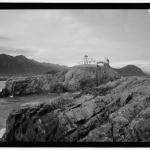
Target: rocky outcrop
{"points": [[73, 80], [81, 77], [34, 85], [122, 114]]}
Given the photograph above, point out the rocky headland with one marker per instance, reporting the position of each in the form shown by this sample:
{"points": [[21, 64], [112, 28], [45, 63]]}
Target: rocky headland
{"points": [[95, 106], [74, 79]]}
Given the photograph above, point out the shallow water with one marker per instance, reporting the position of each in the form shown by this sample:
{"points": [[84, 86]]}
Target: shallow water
{"points": [[8, 104]]}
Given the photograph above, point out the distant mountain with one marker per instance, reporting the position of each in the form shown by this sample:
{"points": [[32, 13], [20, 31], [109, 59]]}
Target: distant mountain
{"points": [[22, 65], [130, 70]]}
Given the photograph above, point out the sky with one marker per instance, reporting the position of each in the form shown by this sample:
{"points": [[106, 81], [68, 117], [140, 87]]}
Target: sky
{"points": [[65, 36]]}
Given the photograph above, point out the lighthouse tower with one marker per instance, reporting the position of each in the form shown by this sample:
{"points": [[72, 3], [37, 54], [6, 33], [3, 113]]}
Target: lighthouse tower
{"points": [[85, 59]]}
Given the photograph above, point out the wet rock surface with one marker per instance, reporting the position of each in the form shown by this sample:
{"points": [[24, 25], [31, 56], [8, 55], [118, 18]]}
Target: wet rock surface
{"points": [[122, 114]]}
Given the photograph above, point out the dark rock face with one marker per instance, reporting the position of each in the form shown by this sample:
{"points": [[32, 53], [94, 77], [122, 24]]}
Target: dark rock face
{"points": [[122, 114], [72, 80]]}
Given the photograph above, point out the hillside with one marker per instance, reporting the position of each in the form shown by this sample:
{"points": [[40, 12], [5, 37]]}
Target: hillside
{"points": [[130, 70], [22, 65]]}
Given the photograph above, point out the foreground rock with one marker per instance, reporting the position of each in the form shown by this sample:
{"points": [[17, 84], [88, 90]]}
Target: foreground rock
{"points": [[120, 114], [73, 80]]}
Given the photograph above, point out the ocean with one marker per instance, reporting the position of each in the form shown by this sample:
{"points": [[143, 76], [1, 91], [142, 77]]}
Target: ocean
{"points": [[7, 104]]}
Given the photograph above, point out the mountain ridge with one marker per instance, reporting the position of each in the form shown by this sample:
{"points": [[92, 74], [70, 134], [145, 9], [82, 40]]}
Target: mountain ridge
{"points": [[22, 65]]}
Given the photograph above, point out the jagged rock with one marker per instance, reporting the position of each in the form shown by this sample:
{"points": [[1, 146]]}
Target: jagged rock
{"points": [[36, 84], [73, 80], [120, 115], [100, 134]]}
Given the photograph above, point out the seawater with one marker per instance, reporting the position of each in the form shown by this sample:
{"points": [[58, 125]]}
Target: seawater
{"points": [[7, 104]]}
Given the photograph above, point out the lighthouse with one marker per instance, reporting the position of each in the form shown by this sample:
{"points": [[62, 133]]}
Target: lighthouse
{"points": [[85, 59]]}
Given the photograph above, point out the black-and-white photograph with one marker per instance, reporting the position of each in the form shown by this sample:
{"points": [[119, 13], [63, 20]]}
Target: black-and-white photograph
{"points": [[74, 75]]}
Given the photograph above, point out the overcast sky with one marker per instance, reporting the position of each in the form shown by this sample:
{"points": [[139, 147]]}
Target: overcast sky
{"points": [[65, 36]]}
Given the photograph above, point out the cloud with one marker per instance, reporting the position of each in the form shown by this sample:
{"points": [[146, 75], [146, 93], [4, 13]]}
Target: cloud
{"points": [[65, 36], [15, 51], [4, 38]]}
